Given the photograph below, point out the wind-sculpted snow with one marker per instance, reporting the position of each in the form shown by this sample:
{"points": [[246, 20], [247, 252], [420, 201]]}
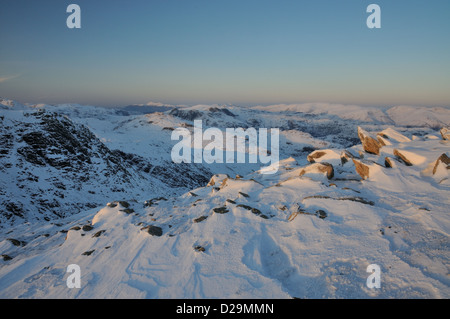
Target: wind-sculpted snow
{"points": [[284, 235]]}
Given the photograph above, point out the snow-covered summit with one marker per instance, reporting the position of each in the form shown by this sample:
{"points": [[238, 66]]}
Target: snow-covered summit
{"points": [[433, 117], [290, 234], [11, 104], [96, 187]]}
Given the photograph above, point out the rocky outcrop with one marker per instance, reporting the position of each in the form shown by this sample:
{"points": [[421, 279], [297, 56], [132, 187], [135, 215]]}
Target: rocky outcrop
{"points": [[443, 160], [361, 169], [153, 230], [217, 180], [221, 210], [315, 155], [154, 201], [389, 136], [329, 156], [191, 115], [221, 110], [370, 145], [6, 257], [199, 248], [319, 168], [389, 162], [188, 115], [200, 219], [346, 156], [408, 158], [65, 169], [382, 140], [87, 228]]}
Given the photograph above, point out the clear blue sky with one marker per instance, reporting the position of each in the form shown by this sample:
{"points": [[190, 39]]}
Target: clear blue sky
{"points": [[226, 51]]}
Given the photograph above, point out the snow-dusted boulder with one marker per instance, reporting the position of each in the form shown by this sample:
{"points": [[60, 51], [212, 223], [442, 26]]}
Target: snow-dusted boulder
{"points": [[443, 162], [390, 135], [315, 155], [389, 162], [409, 158], [217, 179], [153, 230], [346, 156], [369, 143], [383, 140], [361, 169], [328, 156], [325, 169]]}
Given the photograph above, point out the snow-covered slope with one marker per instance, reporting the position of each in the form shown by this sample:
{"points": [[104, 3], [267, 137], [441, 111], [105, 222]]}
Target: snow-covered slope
{"points": [[346, 112], [409, 116], [355, 186], [301, 232], [51, 167], [435, 117]]}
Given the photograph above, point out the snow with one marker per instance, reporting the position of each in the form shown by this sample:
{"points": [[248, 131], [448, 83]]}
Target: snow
{"points": [[354, 112], [435, 117], [281, 235], [326, 155], [402, 115], [389, 133]]}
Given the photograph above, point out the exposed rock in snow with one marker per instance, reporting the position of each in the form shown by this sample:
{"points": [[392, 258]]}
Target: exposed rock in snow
{"points": [[389, 162], [346, 156], [65, 169], [153, 230], [402, 158], [362, 169], [443, 161], [318, 169], [315, 155], [390, 135], [326, 155], [382, 140], [409, 158], [217, 180], [256, 236], [370, 144]]}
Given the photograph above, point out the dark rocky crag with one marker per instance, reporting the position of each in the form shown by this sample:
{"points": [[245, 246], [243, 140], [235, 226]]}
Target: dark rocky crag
{"points": [[51, 167]]}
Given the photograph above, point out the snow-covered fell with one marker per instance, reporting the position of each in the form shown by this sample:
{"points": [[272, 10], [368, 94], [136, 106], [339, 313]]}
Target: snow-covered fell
{"points": [[51, 167], [310, 230]]}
